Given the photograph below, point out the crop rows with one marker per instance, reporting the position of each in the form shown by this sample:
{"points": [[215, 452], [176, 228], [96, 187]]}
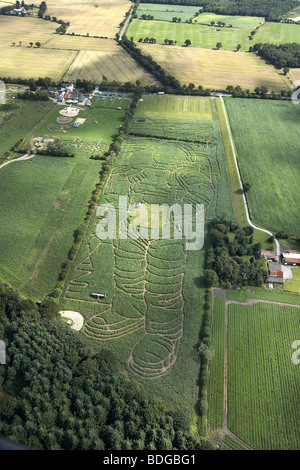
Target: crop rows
{"points": [[263, 387]]}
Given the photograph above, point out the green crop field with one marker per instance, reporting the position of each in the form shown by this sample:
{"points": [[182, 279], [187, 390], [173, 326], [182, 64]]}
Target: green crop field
{"points": [[17, 119], [266, 136], [94, 135], [263, 381], [151, 314], [167, 12], [236, 21], [175, 107], [209, 36], [43, 200]]}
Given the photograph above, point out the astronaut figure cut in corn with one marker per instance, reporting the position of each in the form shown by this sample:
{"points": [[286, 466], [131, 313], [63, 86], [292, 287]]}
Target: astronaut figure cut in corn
{"points": [[143, 246]]}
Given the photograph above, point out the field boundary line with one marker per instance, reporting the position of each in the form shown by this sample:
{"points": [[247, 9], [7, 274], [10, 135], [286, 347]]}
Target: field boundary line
{"points": [[66, 71]]}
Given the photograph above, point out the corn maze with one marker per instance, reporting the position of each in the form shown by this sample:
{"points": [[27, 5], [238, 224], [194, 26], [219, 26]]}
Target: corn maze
{"points": [[143, 277]]}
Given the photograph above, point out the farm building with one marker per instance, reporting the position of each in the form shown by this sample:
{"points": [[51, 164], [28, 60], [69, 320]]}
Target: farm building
{"points": [[268, 255], [291, 258], [275, 273]]}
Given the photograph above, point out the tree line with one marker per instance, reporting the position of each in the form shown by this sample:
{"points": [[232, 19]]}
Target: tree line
{"points": [[59, 393]]}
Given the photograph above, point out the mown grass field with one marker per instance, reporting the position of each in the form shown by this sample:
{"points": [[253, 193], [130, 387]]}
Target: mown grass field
{"points": [[151, 314], [209, 36], [263, 382], [293, 285], [101, 17], [175, 107], [95, 135], [266, 136], [167, 12], [17, 121], [216, 69], [236, 21]]}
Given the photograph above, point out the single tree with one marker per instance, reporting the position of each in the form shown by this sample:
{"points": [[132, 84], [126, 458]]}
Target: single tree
{"points": [[38, 44], [218, 45], [247, 187], [187, 42], [238, 47]]}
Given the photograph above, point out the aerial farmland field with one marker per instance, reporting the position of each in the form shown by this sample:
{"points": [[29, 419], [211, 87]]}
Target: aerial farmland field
{"points": [[263, 383], [216, 69], [236, 21], [208, 36], [167, 12], [266, 135], [102, 57], [44, 199], [151, 324], [100, 17]]}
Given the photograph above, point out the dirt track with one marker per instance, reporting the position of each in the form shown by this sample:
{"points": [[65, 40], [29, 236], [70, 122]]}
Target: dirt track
{"points": [[24, 157]]}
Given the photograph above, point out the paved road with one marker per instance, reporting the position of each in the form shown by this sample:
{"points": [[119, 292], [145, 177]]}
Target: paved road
{"points": [[125, 25]]}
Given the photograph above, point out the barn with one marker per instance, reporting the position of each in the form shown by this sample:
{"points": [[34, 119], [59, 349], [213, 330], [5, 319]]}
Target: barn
{"points": [[291, 258]]}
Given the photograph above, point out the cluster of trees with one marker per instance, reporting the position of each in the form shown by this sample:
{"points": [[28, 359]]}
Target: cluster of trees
{"points": [[272, 10], [231, 257], [147, 17], [58, 393], [33, 96], [282, 56], [55, 149], [259, 92], [45, 82], [5, 10], [42, 9]]}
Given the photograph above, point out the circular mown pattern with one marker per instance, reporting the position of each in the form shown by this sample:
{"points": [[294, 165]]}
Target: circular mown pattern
{"points": [[76, 317]]}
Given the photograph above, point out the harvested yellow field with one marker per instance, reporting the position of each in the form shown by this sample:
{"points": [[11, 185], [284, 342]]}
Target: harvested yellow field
{"points": [[294, 76], [96, 17], [27, 62], [26, 30], [216, 68], [79, 43], [109, 60]]}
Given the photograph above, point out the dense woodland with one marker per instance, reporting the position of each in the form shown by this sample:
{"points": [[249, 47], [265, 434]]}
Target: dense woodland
{"points": [[56, 393], [285, 55], [269, 9], [231, 258]]}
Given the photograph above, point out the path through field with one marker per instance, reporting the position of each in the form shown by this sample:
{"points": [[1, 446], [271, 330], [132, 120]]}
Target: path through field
{"points": [[24, 157], [241, 183]]}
